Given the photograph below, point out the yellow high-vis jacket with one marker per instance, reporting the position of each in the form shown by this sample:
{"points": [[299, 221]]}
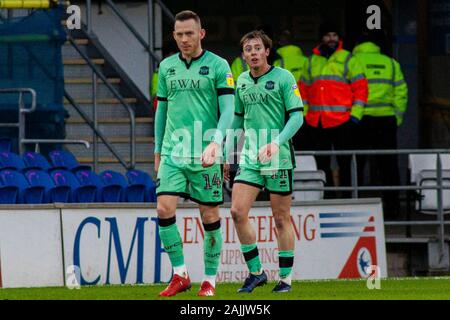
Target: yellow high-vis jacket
{"points": [[388, 91]]}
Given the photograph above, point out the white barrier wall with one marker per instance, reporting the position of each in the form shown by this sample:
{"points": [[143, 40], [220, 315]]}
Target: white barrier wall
{"points": [[111, 246], [118, 245], [30, 248]]}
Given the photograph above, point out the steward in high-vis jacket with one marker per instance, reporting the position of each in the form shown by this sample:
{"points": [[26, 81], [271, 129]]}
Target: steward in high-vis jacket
{"points": [[291, 58], [154, 89], [336, 96], [386, 105], [237, 67], [338, 88], [388, 91]]}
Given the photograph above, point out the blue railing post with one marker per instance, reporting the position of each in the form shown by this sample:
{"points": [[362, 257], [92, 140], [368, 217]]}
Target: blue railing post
{"points": [[354, 172]]}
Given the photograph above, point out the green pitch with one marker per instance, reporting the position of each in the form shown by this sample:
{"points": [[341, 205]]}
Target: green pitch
{"points": [[404, 289]]}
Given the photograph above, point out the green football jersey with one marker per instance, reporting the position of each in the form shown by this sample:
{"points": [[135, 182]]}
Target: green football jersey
{"points": [[265, 103], [191, 90]]}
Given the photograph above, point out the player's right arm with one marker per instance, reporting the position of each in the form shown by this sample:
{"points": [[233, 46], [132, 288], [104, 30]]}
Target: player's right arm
{"points": [[161, 116]]}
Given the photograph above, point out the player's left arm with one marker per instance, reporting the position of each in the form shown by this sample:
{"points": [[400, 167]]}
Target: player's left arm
{"points": [[294, 107], [225, 91]]}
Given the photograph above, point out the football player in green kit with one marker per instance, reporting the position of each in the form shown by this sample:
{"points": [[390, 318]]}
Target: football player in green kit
{"points": [[269, 108], [195, 103]]}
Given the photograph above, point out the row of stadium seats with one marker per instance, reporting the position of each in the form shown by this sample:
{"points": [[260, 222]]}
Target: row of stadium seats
{"points": [[37, 186], [32, 179], [307, 175], [423, 172], [59, 159]]}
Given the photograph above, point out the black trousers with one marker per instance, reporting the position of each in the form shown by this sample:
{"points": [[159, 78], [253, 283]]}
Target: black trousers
{"points": [[380, 133], [342, 137]]}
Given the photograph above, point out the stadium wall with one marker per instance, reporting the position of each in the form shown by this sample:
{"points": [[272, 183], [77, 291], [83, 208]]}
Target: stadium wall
{"points": [[120, 244]]}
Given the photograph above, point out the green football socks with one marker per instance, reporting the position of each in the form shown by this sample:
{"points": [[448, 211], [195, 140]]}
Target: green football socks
{"points": [[171, 240], [286, 262], [212, 247], [251, 256]]}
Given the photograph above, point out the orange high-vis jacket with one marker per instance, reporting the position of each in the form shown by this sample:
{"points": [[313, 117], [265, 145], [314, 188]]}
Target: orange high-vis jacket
{"points": [[337, 89]]}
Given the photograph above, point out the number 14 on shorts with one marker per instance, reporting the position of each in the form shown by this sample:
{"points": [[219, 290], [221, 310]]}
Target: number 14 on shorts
{"points": [[216, 181]]}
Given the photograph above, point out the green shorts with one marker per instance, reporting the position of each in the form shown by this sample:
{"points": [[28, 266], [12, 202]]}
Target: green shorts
{"points": [[276, 182], [190, 181]]}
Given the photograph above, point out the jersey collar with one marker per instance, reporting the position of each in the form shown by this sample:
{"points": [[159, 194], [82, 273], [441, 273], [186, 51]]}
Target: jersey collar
{"points": [[255, 79], [188, 64]]}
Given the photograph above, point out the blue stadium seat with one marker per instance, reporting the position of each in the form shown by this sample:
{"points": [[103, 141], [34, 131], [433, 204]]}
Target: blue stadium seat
{"points": [[13, 186], [36, 161], [65, 160], [5, 144], [42, 187], [91, 186], [66, 184], [114, 188], [10, 160], [141, 187]]}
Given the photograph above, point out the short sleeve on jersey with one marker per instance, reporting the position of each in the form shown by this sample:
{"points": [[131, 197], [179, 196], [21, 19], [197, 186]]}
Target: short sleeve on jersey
{"points": [[291, 94], [224, 79]]}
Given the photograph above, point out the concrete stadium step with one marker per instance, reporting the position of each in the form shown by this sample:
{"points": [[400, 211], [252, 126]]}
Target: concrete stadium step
{"points": [[79, 68], [68, 51], [102, 101], [106, 108], [103, 111], [112, 127], [81, 61], [82, 87], [144, 147]]}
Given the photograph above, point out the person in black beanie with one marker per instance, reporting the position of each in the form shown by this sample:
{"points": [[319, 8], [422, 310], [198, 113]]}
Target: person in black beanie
{"points": [[335, 97], [329, 35]]}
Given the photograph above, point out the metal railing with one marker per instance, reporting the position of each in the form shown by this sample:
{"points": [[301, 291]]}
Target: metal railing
{"points": [[154, 59], [38, 142], [94, 124], [355, 188], [96, 73], [22, 111], [21, 124]]}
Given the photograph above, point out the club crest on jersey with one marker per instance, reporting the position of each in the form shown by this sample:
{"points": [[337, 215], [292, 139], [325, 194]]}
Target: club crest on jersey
{"points": [[204, 70], [270, 85]]}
